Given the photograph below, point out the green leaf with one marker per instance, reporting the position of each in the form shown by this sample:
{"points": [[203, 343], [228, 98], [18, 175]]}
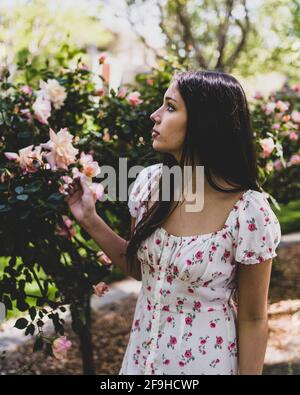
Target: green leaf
{"points": [[34, 187], [30, 330], [21, 323], [19, 189], [24, 135], [40, 323], [22, 305], [4, 208], [22, 197], [56, 197], [32, 313]]}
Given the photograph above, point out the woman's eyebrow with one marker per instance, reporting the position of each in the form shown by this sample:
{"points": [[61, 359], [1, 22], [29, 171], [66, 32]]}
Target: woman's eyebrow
{"points": [[169, 98]]}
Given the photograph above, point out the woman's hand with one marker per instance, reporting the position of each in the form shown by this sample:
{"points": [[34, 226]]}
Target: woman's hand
{"points": [[81, 201]]}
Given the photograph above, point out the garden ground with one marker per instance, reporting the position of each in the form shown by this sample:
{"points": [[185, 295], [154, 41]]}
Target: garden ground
{"points": [[111, 329]]}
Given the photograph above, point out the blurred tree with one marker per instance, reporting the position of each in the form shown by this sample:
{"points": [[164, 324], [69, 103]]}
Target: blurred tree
{"points": [[243, 36], [34, 30]]}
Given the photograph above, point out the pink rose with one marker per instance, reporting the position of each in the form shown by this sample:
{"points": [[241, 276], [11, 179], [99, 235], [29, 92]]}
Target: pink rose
{"points": [[42, 110], [60, 347], [286, 118], [296, 116], [296, 87], [267, 145], [277, 164], [100, 289], [294, 160], [90, 167], [258, 95], [12, 156], [27, 158], [282, 106], [67, 229], [102, 58], [52, 91], [26, 89], [269, 108], [293, 136], [133, 98], [150, 81], [122, 92], [99, 92], [62, 153]]}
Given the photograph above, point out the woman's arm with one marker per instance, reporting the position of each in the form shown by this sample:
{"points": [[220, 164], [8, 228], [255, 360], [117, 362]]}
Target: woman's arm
{"points": [[111, 244], [253, 286], [81, 202]]}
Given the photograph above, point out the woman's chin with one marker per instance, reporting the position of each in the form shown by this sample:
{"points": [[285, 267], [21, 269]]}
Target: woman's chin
{"points": [[157, 146]]}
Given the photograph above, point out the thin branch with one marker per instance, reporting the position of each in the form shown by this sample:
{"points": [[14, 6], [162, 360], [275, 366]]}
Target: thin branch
{"points": [[222, 31], [162, 25], [188, 36], [245, 31], [44, 294], [140, 36]]}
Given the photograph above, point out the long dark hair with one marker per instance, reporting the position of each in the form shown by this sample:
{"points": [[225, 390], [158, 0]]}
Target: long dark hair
{"points": [[219, 132]]}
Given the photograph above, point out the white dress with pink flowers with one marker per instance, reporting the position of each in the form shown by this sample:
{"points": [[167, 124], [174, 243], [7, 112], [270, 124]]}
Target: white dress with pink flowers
{"points": [[185, 319]]}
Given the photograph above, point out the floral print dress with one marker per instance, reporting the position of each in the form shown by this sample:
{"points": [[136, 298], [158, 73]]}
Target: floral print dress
{"points": [[185, 319]]}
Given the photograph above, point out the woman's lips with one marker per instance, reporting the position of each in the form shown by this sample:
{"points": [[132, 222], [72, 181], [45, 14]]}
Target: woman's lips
{"points": [[154, 133]]}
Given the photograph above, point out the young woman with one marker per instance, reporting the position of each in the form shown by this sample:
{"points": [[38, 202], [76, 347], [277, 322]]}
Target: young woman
{"points": [[202, 308]]}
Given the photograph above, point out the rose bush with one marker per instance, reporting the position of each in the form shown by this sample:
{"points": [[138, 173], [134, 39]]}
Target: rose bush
{"points": [[58, 125], [276, 121], [39, 241]]}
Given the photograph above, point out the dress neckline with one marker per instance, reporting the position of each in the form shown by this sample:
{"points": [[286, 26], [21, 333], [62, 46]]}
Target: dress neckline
{"points": [[234, 208]]}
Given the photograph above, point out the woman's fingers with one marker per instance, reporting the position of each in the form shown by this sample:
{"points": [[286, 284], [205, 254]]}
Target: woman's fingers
{"points": [[100, 289], [73, 197], [103, 258]]}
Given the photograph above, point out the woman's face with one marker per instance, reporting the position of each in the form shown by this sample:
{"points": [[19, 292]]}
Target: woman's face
{"points": [[170, 122]]}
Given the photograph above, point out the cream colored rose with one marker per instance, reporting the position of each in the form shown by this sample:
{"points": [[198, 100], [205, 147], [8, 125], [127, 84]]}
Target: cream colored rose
{"points": [[62, 153], [54, 92]]}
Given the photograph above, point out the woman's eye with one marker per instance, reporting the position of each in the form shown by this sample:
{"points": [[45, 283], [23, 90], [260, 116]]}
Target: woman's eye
{"points": [[170, 107]]}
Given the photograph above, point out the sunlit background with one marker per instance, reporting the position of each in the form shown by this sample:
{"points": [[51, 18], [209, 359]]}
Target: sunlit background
{"points": [[135, 33]]}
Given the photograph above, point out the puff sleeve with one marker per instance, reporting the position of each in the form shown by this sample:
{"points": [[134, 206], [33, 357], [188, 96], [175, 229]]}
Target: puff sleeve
{"points": [[145, 182], [135, 194], [259, 231]]}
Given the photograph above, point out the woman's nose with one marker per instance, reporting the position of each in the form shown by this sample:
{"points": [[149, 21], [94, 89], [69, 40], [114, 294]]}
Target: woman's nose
{"points": [[154, 118]]}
